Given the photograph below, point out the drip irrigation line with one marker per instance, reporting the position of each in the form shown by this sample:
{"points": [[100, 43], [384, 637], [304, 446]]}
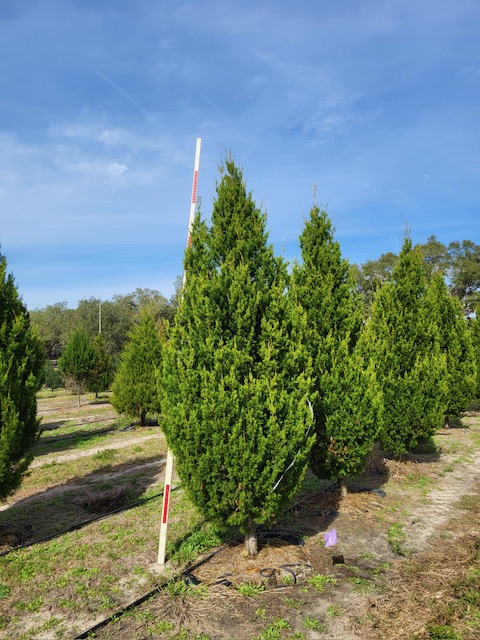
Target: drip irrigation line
{"points": [[84, 523], [189, 578]]}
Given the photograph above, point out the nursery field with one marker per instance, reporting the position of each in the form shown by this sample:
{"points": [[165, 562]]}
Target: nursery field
{"points": [[79, 542]]}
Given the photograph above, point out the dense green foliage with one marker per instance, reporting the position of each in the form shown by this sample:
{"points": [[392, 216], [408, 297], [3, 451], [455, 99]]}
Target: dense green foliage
{"points": [[113, 318], [475, 336], [236, 377], [456, 343], [134, 391], [348, 405], [102, 374], [77, 362], [403, 340], [21, 375], [53, 378]]}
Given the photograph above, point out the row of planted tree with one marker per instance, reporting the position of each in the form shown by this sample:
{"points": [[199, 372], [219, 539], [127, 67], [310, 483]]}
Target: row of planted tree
{"points": [[263, 372]]}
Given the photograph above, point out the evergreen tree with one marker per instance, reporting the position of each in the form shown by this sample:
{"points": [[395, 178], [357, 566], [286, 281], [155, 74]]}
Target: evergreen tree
{"points": [[404, 341], [236, 375], [134, 391], [456, 343], [21, 375], [475, 336], [101, 376], [348, 406], [77, 362], [53, 379]]}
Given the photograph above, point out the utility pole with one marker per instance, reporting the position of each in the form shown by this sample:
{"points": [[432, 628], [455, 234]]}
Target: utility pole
{"points": [[169, 464]]}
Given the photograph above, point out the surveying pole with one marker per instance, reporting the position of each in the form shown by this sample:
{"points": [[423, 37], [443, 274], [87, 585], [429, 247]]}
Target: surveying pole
{"points": [[169, 464]]}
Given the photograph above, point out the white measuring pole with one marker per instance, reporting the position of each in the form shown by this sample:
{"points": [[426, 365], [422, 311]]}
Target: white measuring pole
{"points": [[169, 464]]}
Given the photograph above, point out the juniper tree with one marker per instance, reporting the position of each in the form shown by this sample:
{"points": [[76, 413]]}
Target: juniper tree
{"points": [[456, 343], [22, 362], [77, 362], [102, 374], [134, 391], [403, 339], [348, 406], [236, 377], [475, 335]]}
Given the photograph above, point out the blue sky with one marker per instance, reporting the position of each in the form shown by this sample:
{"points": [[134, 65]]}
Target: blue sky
{"points": [[374, 104]]}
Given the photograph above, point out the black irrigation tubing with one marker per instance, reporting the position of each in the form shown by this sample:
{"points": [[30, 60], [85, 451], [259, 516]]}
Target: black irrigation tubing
{"points": [[84, 523], [188, 577]]}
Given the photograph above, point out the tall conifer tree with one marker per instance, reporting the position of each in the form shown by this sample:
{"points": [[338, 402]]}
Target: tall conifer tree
{"points": [[77, 362], [134, 389], [475, 335], [456, 343], [22, 363], [403, 339], [348, 406], [236, 376]]}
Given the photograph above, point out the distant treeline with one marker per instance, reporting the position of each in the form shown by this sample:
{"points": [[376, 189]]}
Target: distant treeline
{"points": [[115, 319], [459, 263]]}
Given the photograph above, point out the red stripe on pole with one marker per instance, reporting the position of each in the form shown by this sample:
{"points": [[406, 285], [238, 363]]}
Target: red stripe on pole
{"points": [[166, 498], [194, 188]]}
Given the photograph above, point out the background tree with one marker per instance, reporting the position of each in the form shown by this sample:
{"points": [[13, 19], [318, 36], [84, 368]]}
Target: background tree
{"points": [[22, 361], [403, 339], [475, 335], [465, 273], [436, 257], [53, 325], [134, 391], [236, 377], [102, 374], [53, 379], [77, 362], [348, 406], [456, 343], [371, 275]]}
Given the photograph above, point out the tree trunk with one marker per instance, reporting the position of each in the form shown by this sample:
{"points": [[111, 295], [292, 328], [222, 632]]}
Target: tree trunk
{"points": [[342, 485], [446, 423], [251, 542]]}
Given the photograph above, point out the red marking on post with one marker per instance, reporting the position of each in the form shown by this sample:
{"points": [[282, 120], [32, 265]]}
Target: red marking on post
{"points": [[189, 240], [194, 189], [166, 498]]}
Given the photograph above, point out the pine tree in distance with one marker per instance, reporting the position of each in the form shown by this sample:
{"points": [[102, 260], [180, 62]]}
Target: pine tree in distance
{"points": [[77, 362], [134, 390], [236, 384]]}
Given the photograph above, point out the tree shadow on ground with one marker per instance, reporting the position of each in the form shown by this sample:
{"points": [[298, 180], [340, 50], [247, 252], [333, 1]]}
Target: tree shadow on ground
{"points": [[81, 499], [55, 444]]}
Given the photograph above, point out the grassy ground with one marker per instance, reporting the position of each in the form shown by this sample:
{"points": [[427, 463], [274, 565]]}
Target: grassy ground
{"points": [[390, 568]]}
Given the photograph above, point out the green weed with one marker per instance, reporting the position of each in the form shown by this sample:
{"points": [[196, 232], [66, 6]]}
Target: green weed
{"points": [[314, 624], [319, 582], [397, 537], [4, 591], [250, 589], [274, 631], [334, 610], [293, 603]]}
